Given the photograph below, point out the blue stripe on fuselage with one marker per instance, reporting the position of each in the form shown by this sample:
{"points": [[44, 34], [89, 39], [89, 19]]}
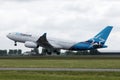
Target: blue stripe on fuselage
{"points": [[81, 46]]}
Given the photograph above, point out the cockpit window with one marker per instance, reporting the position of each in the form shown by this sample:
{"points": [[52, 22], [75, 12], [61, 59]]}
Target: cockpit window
{"points": [[17, 33]]}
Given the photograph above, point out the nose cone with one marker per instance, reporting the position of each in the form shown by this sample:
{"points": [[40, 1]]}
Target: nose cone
{"points": [[9, 35]]}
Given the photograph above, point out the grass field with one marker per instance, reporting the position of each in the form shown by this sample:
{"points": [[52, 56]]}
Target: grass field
{"points": [[55, 62], [61, 63], [44, 75]]}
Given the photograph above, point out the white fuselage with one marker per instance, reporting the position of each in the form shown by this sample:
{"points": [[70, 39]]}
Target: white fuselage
{"points": [[55, 43]]}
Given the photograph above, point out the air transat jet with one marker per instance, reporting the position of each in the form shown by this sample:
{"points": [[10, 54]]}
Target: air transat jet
{"points": [[31, 41]]}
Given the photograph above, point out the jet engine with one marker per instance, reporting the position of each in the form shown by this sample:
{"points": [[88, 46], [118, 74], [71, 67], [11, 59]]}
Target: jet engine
{"points": [[30, 44]]}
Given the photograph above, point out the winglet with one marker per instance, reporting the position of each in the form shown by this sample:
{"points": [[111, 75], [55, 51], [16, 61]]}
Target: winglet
{"points": [[42, 41], [42, 38], [45, 34]]}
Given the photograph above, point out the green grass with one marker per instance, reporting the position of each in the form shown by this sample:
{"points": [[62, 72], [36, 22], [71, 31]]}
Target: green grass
{"points": [[59, 63], [46, 75], [62, 63]]}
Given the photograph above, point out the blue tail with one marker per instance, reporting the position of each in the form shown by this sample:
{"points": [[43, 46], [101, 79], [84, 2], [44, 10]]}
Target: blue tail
{"points": [[101, 37], [96, 42]]}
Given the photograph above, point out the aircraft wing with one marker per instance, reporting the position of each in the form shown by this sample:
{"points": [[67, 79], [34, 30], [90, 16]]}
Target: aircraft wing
{"points": [[42, 41]]}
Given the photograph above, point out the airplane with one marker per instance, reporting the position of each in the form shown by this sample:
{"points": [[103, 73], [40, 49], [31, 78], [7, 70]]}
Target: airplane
{"points": [[32, 41]]}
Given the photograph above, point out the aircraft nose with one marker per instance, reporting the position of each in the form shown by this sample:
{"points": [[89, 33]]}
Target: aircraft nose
{"points": [[8, 35]]}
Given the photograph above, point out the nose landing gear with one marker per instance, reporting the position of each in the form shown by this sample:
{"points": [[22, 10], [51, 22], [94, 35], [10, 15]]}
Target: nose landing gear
{"points": [[15, 43]]}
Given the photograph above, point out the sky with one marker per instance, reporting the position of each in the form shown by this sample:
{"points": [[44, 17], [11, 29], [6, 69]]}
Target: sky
{"points": [[65, 19]]}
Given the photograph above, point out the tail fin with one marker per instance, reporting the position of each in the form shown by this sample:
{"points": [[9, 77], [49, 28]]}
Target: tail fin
{"points": [[102, 36]]}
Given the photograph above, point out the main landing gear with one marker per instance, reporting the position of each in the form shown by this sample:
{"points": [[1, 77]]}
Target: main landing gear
{"points": [[15, 43]]}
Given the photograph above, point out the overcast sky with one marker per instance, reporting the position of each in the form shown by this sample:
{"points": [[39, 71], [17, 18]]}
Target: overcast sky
{"points": [[67, 19]]}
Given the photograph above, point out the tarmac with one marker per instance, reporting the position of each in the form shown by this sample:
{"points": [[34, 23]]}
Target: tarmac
{"points": [[61, 69]]}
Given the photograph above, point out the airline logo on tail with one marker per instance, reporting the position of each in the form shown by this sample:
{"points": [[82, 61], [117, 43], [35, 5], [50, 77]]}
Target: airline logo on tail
{"points": [[100, 39]]}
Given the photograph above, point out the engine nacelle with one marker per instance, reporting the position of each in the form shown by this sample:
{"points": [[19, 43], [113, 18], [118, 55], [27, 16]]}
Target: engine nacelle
{"points": [[30, 44]]}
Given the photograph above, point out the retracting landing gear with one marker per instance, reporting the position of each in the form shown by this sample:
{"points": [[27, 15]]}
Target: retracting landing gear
{"points": [[15, 43]]}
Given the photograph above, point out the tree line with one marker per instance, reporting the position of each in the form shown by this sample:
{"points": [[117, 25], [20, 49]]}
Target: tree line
{"points": [[10, 52]]}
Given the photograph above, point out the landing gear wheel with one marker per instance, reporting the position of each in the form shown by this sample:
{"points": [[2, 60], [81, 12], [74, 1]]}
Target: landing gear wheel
{"points": [[49, 53], [15, 43]]}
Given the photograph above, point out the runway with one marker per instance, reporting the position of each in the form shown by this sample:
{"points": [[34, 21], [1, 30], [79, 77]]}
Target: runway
{"points": [[61, 69]]}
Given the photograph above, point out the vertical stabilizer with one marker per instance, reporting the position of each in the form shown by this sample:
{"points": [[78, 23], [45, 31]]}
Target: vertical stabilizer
{"points": [[102, 36]]}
